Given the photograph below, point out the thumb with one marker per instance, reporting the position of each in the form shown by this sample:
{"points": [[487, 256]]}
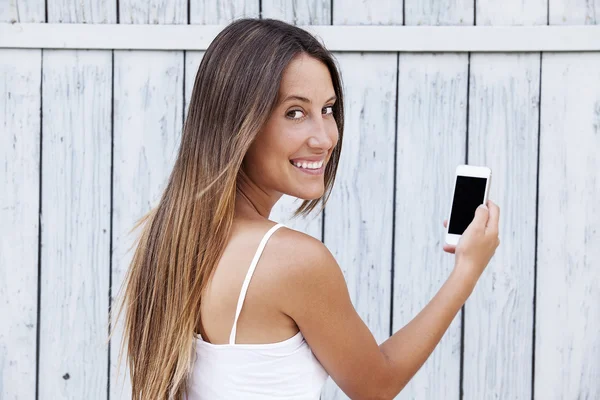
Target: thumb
{"points": [[481, 215]]}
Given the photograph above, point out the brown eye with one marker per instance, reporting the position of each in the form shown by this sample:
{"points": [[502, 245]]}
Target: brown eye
{"points": [[293, 112], [331, 108]]}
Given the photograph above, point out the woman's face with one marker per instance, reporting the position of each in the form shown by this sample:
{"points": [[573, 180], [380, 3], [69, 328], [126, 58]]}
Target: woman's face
{"points": [[290, 153]]}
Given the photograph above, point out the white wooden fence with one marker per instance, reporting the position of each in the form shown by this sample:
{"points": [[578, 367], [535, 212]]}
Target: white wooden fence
{"points": [[88, 137]]}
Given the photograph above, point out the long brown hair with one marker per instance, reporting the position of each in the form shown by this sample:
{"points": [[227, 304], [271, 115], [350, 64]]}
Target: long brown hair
{"points": [[183, 237]]}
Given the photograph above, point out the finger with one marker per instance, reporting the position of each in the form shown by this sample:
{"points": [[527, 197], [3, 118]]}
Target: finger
{"points": [[449, 249], [492, 223], [481, 217], [445, 223]]}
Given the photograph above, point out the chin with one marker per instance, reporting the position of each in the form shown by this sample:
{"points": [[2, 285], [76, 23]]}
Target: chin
{"points": [[310, 195]]}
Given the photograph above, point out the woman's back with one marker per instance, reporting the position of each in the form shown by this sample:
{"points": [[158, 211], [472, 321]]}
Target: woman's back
{"points": [[247, 348]]}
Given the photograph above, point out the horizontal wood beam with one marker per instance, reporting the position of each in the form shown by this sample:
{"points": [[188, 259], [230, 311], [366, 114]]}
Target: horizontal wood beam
{"points": [[365, 38]]}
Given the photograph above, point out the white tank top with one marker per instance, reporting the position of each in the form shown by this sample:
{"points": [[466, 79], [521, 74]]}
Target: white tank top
{"points": [[283, 370]]}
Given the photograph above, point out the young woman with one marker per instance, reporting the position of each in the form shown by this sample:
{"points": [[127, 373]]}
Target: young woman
{"points": [[204, 318]]}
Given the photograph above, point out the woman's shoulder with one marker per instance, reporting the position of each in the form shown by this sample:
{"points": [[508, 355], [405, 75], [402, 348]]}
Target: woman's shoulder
{"points": [[289, 252]]}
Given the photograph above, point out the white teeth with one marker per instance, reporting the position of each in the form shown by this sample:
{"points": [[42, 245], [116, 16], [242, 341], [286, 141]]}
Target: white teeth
{"points": [[309, 165]]}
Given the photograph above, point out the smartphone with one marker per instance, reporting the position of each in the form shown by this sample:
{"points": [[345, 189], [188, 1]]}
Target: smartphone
{"points": [[471, 187]]}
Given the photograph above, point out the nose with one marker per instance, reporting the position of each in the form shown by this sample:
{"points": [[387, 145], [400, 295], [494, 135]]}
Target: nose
{"points": [[321, 135]]}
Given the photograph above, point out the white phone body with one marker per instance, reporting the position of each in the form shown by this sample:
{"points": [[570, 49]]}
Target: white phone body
{"points": [[471, 188]]}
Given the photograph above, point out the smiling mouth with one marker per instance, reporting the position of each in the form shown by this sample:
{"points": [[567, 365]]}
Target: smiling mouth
{"points": [[309, 165]]}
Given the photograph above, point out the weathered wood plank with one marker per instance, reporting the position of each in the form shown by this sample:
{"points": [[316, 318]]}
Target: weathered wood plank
{"points": [[512, 12], [221, 11], [432, 104], [73, 11], [567, 347], [148, 116], [76, 144], [153, 12], [440, 12], [367, 12], [574, 12], [23, 11], [358, 217], [503, 131], [20, 81], [298, 12]]}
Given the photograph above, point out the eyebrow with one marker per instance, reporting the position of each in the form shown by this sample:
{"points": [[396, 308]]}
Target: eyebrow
{"points": [[304, 99]]}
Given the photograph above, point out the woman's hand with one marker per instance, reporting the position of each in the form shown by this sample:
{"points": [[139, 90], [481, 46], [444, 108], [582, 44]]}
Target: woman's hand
{"points": [[478, 243]]}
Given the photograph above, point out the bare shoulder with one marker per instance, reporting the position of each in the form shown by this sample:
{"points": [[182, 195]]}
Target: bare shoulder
{"points": [[311, 290], [304, 266], [299, 253]]}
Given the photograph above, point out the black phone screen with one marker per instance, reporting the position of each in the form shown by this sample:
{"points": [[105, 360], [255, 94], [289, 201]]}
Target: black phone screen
{"points": [[468, 195]]}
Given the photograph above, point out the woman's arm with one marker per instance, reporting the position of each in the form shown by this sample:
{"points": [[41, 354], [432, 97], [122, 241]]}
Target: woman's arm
{"points": [[314, 293]]}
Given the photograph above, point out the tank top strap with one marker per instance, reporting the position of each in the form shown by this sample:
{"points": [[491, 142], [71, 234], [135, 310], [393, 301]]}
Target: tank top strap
{"points": [[242, 297]]}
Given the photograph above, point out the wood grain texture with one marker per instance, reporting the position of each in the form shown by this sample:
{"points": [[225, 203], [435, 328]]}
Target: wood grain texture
{"points": [[432, 122], [440, 12], [503, 130], [567, 348], [512, 12], [298, 12], [221, 11], [20, 81], [22, 11], [358, 217], [367, 12], [75, 219], [153, 11], [148, 119], [432, 104], [574, 12], [76, 11], [76, 146]]}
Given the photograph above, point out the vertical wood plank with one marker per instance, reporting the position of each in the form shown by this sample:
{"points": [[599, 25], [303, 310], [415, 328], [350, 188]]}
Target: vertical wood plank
{"points": [[75, 224], [73, 11], [367, 12], [148, 118], [574, 12], [512, 12], [206, 12], [20, 84], [567, 348], [432, 104], [22, 11], [358, 217], [20, 81], [147, 130], [76, 146], [503, 131], [298, 12], [432, 108], [440, 12]]}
